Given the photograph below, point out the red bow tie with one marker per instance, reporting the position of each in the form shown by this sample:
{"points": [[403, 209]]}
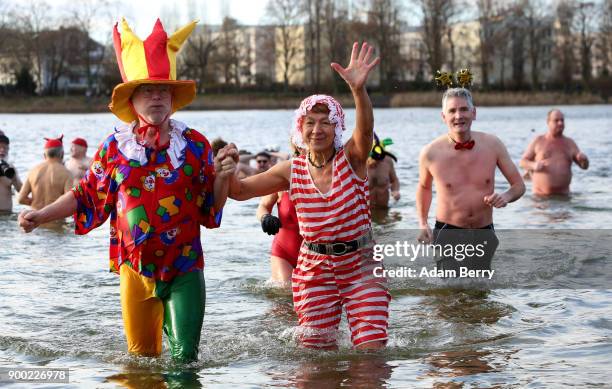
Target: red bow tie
{"points": [[465, 145]]}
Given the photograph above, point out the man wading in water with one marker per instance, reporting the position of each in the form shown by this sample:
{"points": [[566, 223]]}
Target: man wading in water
{"points": [[155, 178], [462, 165]]}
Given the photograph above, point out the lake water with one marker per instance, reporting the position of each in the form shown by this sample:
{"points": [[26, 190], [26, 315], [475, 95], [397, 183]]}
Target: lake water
{"points": [[59, 307]]}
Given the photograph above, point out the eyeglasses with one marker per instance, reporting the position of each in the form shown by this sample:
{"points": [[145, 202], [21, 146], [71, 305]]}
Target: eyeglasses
{"points": [[149, 90]]}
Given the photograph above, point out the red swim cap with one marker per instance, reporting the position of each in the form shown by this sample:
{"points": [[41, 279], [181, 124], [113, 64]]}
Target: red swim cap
{"points": [[80, 142], [51, 142]]}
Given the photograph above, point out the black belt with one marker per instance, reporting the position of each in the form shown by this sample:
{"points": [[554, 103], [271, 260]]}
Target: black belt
{"points": [[339, 248]]}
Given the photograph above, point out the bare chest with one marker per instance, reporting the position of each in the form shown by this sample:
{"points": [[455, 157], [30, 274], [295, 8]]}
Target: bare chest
{"points": [[460, 169], [379, 175], [553, 150]]}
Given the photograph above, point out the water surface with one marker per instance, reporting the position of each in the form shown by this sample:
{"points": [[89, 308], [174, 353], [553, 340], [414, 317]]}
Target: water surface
{"points": [[59, 306]]}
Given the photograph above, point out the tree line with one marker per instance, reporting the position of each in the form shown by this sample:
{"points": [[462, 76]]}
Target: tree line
{"points": [[292, 48]]}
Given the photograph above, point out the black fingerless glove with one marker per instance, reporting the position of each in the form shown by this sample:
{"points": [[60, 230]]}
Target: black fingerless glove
{"points": [[270, 224]]}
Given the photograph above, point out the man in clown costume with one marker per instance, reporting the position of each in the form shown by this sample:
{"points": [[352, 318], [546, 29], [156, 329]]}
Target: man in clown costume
{"points": [[157, 181]]}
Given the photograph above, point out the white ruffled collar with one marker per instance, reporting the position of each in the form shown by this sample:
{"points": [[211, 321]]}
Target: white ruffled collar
{"points": [[129, 146]]}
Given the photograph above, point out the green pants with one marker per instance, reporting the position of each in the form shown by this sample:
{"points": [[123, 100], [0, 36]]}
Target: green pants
{"points": [[150, 306]]}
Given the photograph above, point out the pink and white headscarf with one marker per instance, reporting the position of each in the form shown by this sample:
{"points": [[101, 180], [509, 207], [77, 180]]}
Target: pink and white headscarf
{"points": [[336, 116]]}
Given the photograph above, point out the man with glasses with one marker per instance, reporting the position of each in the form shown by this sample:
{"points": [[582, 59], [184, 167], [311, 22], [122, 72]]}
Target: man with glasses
{"points": [[157, 181], [263, 161]]}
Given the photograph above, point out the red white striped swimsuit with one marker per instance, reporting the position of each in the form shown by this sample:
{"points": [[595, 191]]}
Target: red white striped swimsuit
{"points": [[323, 284]]}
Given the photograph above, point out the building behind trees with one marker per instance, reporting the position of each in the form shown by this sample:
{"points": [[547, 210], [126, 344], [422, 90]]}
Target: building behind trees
{"points": [[508, 45]]}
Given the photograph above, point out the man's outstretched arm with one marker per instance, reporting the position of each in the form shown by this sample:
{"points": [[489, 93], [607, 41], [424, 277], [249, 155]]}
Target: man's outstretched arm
{"points": [[61, 208]]}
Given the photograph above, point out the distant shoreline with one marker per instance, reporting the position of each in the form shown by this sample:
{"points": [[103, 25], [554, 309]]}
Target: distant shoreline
{"points": [[247, 101]]}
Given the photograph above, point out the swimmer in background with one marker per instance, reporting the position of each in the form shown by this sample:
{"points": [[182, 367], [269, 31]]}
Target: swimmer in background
{"points": [[79, 162], [287, 240], [381, 174], [49, 180], [549, 157], [264, 160]]}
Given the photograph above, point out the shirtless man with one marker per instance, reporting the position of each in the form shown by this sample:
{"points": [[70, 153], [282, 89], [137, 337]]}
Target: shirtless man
{"points": [[382, 179], [79, 161], [264, 161], [549, 158], [462, 165], [47, 181], [9, 178]]}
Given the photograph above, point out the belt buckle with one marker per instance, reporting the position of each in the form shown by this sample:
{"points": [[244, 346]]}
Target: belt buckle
{"points": [[343, 245]]}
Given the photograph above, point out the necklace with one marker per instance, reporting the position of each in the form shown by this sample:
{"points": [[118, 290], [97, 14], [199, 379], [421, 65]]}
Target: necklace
{"points": [[324, 163]]}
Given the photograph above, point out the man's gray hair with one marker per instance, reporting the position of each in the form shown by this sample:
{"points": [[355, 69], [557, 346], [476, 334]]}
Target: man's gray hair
{"points": [[54, 152], [458, 92]]}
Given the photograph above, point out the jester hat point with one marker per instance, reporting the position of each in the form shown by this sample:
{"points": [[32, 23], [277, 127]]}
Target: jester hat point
{"points": [[152, 61]]}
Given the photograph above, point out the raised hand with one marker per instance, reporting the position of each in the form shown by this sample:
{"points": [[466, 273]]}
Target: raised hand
{"points": [[358, 69]]}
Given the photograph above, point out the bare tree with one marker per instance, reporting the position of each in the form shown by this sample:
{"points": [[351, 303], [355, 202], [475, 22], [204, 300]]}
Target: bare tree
{"points": [[385, 24], [14, 45], [31, 19], [487, 11], [196, 56], [110, 75], [84, 15], [537, 28], [517, 27], [436, 18], [286, 17], [605, 34], [504, 52], [584, 23], [4, 20], [227, 53], [57, 53], [313, 9], [336, 33], [565, 48]]}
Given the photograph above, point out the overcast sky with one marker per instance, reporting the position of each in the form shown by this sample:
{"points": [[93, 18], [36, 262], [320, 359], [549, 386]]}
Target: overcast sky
{"points": [[141, 14], [208, 11]]}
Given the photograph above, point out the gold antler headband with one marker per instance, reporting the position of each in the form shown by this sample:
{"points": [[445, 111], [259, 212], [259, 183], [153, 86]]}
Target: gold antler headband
{"points": [[446, 79], [465, 78]]}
